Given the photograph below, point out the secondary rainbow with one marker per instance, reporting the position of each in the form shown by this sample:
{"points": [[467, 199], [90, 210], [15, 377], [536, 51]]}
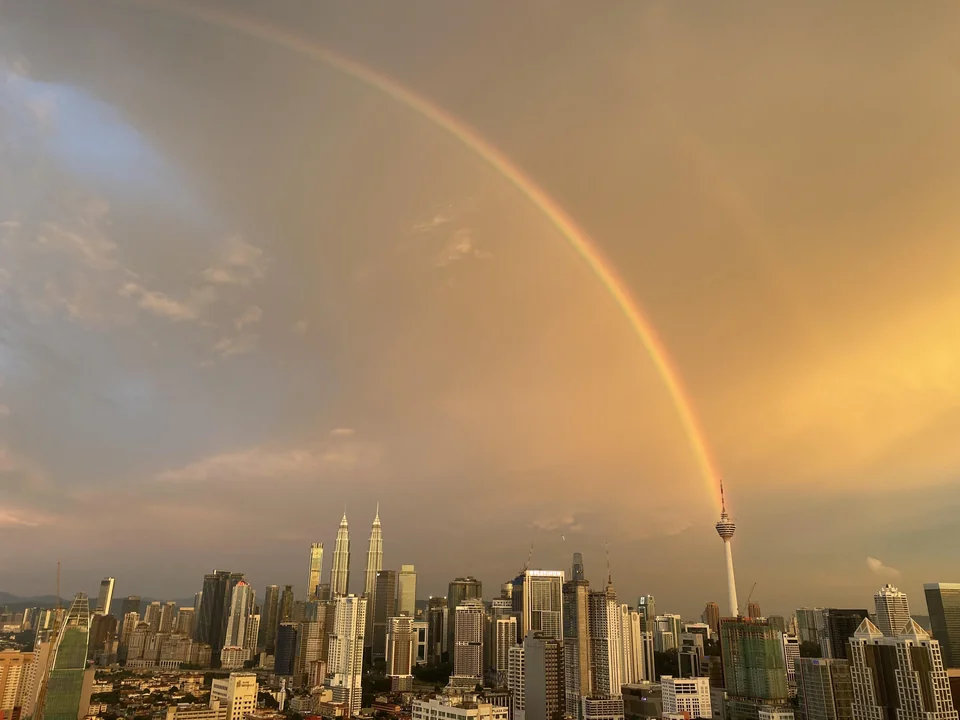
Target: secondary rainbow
{"points": [[572, 233]]}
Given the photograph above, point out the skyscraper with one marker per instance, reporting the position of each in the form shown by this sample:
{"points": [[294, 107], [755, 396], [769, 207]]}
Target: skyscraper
{"points": [[168, 614], [286, 604], [943, 605], [130, 604], [647, 607], [407, 591], [315, 571], [214, 604], [241, 609], [270, 619], [543, 677], [577, 575], [462, 588], [543, 603], [753, 610], [286, 650], [340, 572], [468, 643], [839, 625], [898, 677], [810, 624], [400, 652], [631, 647], [824, 689], [374, 556], [70, 683], [576, 645], [438, 619], [753, 666], [605, 644], [711, 616], [385, 607], [345, 653], [105, 599], [791, 654], [893, 611], [725, 529], [504, 638]]}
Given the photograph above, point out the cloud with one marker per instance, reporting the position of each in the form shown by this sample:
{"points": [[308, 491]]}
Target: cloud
{"points": [[285, 464], [566, 522], [251, 316], [441, 218], [342, 432], [462, 245], [239, 345], [162, 305], [878, 568], [240, 264], [14, 519]]}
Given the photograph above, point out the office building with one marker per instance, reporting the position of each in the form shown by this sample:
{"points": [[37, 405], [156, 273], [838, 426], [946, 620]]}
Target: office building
{"points": [[631, 655], [791, 654], [725, 529], [383, 608], [286, 649], [578, 574], [407, 591], [186, 618], [242, 601], [70, 683], [456, 707], [686, 696], [900, 677], [421, 634], [237, 693], [576, 643], [690, 656], [214, 608], [285, 613], [168, 616], [810, 624], [504, 638], [461, 589], [33, 677], [310, 637], [824, 689], [893, 611], [400, 652], [374, 566], [839, 625], [130, 604], [516, 675], [603, 708], [666, 632], [543, 684], [438, 620], [605, 644], [345, 651], [314, 572], [270, 619], [151, 615], [543, 603], [711, 618], [468, 643], [105, 598], [753, 665], [340, 571], [943, 606], [647, 607]]}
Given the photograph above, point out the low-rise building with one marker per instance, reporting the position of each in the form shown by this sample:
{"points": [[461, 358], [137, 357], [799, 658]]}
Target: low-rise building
{"points": [[456, 707]]}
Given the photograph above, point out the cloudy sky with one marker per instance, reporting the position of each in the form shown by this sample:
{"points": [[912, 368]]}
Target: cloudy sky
{"points": [[242, 291]]}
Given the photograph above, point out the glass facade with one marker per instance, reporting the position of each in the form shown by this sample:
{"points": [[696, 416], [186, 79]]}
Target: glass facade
{"points": [[943, 605]]}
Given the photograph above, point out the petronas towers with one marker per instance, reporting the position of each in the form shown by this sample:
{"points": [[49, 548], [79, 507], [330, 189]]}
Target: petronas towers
{"points": [[340, 572]]}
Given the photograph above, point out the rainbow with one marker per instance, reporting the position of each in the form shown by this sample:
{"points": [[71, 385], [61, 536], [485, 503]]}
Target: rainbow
{"points": [[571, 232]]}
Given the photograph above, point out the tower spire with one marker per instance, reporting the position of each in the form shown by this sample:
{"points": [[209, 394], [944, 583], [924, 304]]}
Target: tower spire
{"points": [[725, 529], [723, 503]]}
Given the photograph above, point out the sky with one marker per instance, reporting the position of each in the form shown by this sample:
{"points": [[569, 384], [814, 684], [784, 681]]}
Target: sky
{"points": [[243, 291]]}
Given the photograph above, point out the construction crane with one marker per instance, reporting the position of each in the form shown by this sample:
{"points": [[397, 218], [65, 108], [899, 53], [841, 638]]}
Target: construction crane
{"points": [[749, 598], [526, 565]]}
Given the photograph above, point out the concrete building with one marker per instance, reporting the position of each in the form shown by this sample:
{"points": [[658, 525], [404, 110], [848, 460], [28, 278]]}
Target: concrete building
{"points": [[237, 693], [186, 711], [315, 572], [791, 654], [516, 676], [900, 677], [468, 643], [345, 652], [462, 588], [631, 647], [576, 644], [400, 650], [690, 696], [105, 598], [456, 708], [810, 624], [754, 667], [605, 644], [893, 610], [711, 617], [407, 591], [603, 708], [824, 689], [505, 637], [543, 603], [242, 600], [421, 634], [543, 685]]}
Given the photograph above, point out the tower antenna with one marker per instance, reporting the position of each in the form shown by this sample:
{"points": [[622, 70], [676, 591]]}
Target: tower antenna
{"points": [[723, 504], [606, 548]]}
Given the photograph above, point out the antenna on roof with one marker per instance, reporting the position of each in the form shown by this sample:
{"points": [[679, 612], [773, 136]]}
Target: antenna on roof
{"points": [[606, 547]]}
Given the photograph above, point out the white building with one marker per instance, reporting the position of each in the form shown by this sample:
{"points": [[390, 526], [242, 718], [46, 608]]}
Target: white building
{"points": [[631, 655], [605, 645], [608, 708], [340, 571], [401, 642], [516, 674], [456, 708], [105, 599], [407, 591], [791, 656], [468, 642], [232, 657], [186, 711], [315, 571], [345, 652], [775, 712], [421, 634], [543, 602], [241, 608], [504, 638], [893, 611], [238, 693], [686, 695]]}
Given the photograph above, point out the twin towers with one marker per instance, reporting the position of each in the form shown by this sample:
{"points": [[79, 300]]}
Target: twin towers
{"points": [[340, 571]]}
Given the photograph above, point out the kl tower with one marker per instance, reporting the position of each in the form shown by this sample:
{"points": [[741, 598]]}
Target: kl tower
{"points": [[725, 529]]}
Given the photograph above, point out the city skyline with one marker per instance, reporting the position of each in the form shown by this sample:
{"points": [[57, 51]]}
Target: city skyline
{"points": [[197, 355]]}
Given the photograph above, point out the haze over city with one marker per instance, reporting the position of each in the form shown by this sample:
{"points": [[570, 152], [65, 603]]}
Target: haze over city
{"points": [[245, 289]]}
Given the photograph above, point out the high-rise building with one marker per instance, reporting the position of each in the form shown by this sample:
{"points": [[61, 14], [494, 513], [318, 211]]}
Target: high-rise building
{"points": [[824, 689], [463, 588], [314, 572], [168, 615], [70, 684], [130, 604], [631, 653], [576, 644], [753, 610], [711, 616], [340, 572], [285, 656], [578, 575], [753, 667], [407, 591], [543, 603], [151, 615], [605, 644], [400, 652], [186, 621], [242, 601], [603, 708], [893, 611], [516, 676], [14, 667], [543, 678], [250, 641], [384, 608], [943, 606], [102, 647], [468, 643], [421, 636], [504, 638], [900, 677], [667, 629], [237, 693], [647, 607], [214, 606], [839, 625], [105, 598], [374, 566], [345, 652], [270, 618], [310, 637], [438, 620], [791, 654], [34, 678], [689, 697], [725, 529], [810, 624]]}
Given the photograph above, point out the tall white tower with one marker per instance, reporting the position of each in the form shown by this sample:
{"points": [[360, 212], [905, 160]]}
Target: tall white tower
{"points": [[316, 568], [893, 611], [340, 572], [374, 557], [345, 651], [725, 529]]}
